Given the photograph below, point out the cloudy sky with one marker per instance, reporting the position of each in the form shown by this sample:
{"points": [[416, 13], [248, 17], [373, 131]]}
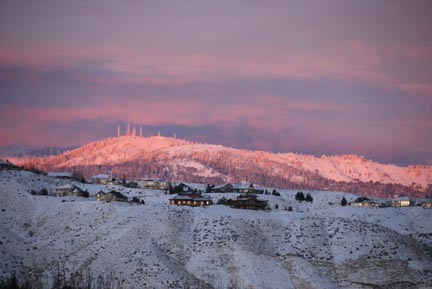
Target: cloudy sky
{"points": [[315, 77]]}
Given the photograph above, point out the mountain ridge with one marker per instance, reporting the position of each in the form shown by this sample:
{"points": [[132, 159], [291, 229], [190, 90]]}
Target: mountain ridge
{"points": [[174, 159]]}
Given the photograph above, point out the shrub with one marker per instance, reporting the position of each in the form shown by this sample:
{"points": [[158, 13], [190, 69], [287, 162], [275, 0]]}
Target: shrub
{"points": [[222, 201], [300, 196], [343, 202], [79, 177]]}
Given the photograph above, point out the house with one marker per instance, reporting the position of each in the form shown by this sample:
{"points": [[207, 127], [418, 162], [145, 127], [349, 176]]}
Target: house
{"points": [[6, 165], [69, 190], [400, 202], [426, 204], [364, 202], [247, 188], [223, 188], [111, 196], [102, 179], [248, 201], [154, 184], [60, 175], [190, 200]]}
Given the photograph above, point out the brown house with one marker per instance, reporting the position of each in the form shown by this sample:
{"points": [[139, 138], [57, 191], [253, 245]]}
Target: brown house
{"points": [[249, 202], [112, 196], [70, 190], [193, 200], [247, 188]]}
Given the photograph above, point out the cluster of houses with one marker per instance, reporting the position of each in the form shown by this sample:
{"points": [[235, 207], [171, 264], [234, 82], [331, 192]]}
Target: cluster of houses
{"points": [[186, 195], [396, 202], [247, 199]]}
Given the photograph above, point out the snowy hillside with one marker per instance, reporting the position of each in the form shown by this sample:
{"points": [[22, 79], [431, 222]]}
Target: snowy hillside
{"points": [[170, 158], [161, 246]]}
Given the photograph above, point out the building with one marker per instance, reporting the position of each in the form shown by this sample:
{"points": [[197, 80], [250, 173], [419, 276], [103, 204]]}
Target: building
{"points": [[154, 184], [69, 190], [248, 201], [111, 196], [401, 202], [60, 175], [426, 204], [6, 165], [247, 188], [191, 200], [102, 179], [223, 188]]}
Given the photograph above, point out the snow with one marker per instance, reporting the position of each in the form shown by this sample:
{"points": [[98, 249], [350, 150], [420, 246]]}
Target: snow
{"points": [[161, 246], [60, 174], [183, 154]]}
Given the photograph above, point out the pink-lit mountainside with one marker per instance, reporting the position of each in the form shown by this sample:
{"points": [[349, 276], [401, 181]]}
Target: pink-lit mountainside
{"points": [[177, 159]]}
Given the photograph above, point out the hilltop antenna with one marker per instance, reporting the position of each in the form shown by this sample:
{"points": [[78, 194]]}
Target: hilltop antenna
{"points": [[133, 130], [174, 136], [159, 133], [128, 129], [118, 130], [141, 130]]}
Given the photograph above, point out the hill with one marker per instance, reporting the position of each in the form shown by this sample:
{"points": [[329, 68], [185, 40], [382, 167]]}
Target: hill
{"points": [[174, 159], [157, 245]]}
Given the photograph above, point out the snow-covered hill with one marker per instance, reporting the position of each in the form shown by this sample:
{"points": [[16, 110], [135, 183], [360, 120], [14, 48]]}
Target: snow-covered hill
{"points": [[161, 246], [171, 158]]}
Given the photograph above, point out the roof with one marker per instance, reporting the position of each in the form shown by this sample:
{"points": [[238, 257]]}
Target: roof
{"points": [[67, 186], [60, 174], [243, 185], [221, 186], [200, 198], [402, 199], [101, 176]]}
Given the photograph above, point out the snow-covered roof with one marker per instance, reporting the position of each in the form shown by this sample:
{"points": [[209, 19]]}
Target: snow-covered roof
{"points": [[67, 186], [244, 186], [101, 176], [60, 174], [184, 197], [221, 186], [402, 199]]}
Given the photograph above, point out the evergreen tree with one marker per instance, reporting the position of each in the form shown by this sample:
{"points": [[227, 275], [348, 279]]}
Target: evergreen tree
{"points": [[300, 196], [208, 189], [343, 201], [308, 198]]}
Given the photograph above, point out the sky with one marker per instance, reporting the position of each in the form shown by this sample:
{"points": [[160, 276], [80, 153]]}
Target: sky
{"points": [[313, 77]]}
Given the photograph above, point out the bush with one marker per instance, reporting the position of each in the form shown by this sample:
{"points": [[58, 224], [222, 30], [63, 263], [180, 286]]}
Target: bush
{"points": [[343, 202], [289, 209], [222, 201], [275, 193], [135, 200], [85, 194], [308, 198], [300, 196], [276, 206], [78, 176]]}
